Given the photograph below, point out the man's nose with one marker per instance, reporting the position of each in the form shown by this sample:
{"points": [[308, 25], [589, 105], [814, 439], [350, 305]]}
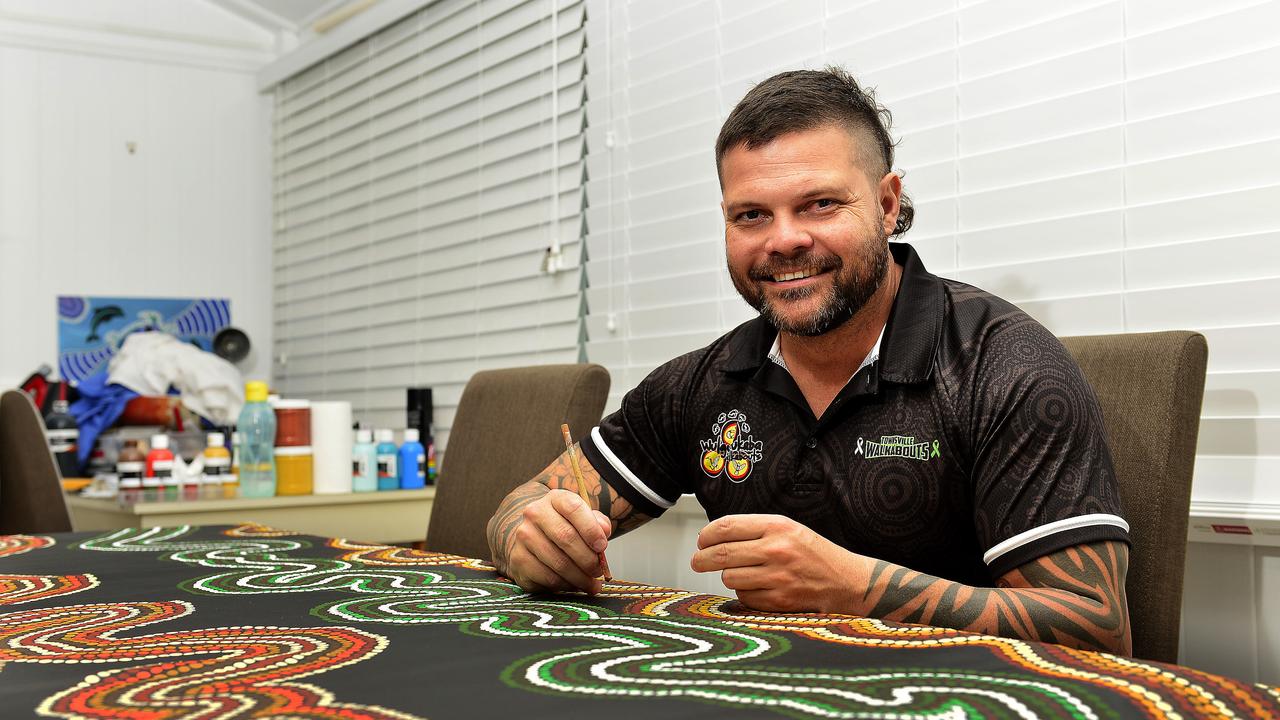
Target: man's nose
{"points": [[787, 236]]}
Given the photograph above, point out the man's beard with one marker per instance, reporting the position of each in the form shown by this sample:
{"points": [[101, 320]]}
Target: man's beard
{"points": [[852, 287]]}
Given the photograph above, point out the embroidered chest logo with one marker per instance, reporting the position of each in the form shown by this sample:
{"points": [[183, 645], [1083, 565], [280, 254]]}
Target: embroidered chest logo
{"points": [[900, 446], [731, 449]]}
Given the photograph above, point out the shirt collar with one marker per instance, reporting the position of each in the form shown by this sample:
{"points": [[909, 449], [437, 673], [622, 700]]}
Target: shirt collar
{"points": [[775, 354], [907, 343]]}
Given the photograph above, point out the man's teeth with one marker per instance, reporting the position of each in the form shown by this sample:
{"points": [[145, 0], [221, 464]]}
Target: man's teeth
{"points": [[791, 276]]}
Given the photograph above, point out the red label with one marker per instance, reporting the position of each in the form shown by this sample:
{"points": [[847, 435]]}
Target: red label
{"points": [[1232, 529]]}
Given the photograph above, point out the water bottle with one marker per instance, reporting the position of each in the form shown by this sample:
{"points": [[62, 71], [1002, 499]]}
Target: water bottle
{"points": [[257, 428]]}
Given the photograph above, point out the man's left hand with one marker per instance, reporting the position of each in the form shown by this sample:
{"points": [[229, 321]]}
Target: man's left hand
{"points": [[776, 564]]}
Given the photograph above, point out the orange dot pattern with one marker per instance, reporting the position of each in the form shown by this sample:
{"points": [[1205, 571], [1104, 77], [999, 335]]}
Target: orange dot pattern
{"points": [[18, 544], [209, 673], [386, 555], [18, 589]]}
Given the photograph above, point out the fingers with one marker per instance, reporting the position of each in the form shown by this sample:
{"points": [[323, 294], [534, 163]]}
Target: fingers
{"points": [[550, 546], [747, 579], [587, 529], [549, 554], [536, 576], [729, 555], [732, 528]]}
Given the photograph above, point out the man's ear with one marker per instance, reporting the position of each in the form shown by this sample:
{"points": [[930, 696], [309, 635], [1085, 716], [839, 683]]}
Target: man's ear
{"points": [[890, 200]]}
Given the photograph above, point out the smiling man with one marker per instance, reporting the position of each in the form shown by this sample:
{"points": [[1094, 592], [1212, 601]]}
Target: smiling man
{"points": [[879, 441]]}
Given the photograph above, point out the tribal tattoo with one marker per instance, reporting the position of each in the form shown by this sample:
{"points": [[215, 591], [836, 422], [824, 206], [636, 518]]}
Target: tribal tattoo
{"points": [[1074, 597], [559, 475]]}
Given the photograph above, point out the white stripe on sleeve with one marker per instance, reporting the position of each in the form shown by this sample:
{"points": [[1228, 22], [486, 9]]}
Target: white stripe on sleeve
{"points": [[626, 473], [1057, 526]]}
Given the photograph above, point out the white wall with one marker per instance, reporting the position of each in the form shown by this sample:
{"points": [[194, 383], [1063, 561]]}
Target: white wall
{"points": [[1109, 165], [186, 215]]}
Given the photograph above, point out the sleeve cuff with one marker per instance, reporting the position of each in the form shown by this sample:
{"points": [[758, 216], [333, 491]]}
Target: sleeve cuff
{"points": [[623, 481], [1052, 537]]}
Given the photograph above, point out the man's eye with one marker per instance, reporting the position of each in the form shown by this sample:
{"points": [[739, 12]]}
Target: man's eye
{"points": [[823, 203], [750, 215]]}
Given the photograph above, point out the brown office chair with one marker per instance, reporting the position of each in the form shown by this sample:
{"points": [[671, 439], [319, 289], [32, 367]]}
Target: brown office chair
{"points": [[1150, 386], [506, 430], [30, 488]]}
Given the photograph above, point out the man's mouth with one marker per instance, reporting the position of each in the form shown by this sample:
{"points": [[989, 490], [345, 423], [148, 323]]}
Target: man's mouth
{"points": [[798, 275]]}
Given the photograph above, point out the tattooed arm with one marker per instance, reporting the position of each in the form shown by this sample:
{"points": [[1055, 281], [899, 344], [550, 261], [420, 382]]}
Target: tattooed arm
{"points": [[545, 538], [1073, 597]]}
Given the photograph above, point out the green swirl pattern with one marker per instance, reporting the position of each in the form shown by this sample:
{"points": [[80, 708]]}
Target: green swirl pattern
{"points": [[620, 655]]}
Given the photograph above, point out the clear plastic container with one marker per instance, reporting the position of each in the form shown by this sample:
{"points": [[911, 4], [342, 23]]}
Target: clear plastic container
{"points": [[257, 428]]}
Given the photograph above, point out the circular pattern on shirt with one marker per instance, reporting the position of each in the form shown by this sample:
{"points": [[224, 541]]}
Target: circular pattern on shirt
{"points": [[1054, 405], [894, 495]]}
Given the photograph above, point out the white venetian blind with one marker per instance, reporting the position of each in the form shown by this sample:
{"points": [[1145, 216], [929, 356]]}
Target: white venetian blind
{"points": [[420, 176], [1109, 166]]}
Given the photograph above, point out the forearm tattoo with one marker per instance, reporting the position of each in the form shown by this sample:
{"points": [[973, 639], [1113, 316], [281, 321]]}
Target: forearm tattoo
{"points": [[1074, 597], [558, 475]]}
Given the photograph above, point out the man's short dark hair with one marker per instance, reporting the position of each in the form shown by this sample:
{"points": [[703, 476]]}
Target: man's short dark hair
{"points": [[800, 100]]}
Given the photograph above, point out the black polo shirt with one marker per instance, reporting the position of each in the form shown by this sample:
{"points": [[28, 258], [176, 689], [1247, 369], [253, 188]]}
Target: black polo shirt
{"points": [[971, 446]]}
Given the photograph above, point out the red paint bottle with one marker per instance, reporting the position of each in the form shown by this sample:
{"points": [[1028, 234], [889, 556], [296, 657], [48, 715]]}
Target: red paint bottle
{"points": [[160, 459]]}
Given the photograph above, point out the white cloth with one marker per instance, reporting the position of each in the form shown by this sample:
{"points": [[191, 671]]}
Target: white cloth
{"points": [[149, 362]]}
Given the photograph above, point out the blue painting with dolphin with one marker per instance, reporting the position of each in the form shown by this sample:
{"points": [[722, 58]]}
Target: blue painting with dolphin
{"points": [[91, 329]]}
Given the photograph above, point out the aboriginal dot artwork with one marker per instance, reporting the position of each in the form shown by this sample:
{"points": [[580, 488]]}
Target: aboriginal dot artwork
{"points": [[254, 622]]}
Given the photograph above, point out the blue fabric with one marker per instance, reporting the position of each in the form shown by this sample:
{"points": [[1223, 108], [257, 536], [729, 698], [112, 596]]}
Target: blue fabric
{"points": [[99, 405]]}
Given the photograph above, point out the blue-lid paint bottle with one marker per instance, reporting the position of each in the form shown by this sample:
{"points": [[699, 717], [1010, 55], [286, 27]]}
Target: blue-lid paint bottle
{"points": [[388, 473], [413, 462]]}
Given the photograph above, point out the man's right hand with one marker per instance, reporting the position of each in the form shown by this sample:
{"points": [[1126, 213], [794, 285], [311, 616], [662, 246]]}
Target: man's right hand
{"points": [[547, 538], [556, 544]]}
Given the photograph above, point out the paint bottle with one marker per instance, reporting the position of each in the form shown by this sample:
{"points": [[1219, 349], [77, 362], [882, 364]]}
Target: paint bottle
{"points": [[419, 414], [191, 480], [63, 435], [388, 474], [413, 462], [230, 486], [217, 462], [235, 453], [364, 463], [295, 470], [160, 470], [131, 464], [293, 422], [430, 442]]}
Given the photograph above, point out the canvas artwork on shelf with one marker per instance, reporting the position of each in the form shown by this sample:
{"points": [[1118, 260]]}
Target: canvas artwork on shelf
{"points": [[91, 328]]}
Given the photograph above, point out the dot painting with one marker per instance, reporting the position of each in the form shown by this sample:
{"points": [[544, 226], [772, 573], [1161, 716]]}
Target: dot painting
{"points": [[175, 656]]}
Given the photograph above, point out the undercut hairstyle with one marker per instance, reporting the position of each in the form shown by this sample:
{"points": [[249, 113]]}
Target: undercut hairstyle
{"points": [[800, 100]]}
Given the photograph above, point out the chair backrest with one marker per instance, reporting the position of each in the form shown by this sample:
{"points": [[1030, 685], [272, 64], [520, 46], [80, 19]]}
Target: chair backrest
{"points": [[1150, 387], [507, 430], [30, 489]]}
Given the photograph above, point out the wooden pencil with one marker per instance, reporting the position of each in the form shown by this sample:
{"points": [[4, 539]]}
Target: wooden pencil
{"points": [[581, 485]]}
